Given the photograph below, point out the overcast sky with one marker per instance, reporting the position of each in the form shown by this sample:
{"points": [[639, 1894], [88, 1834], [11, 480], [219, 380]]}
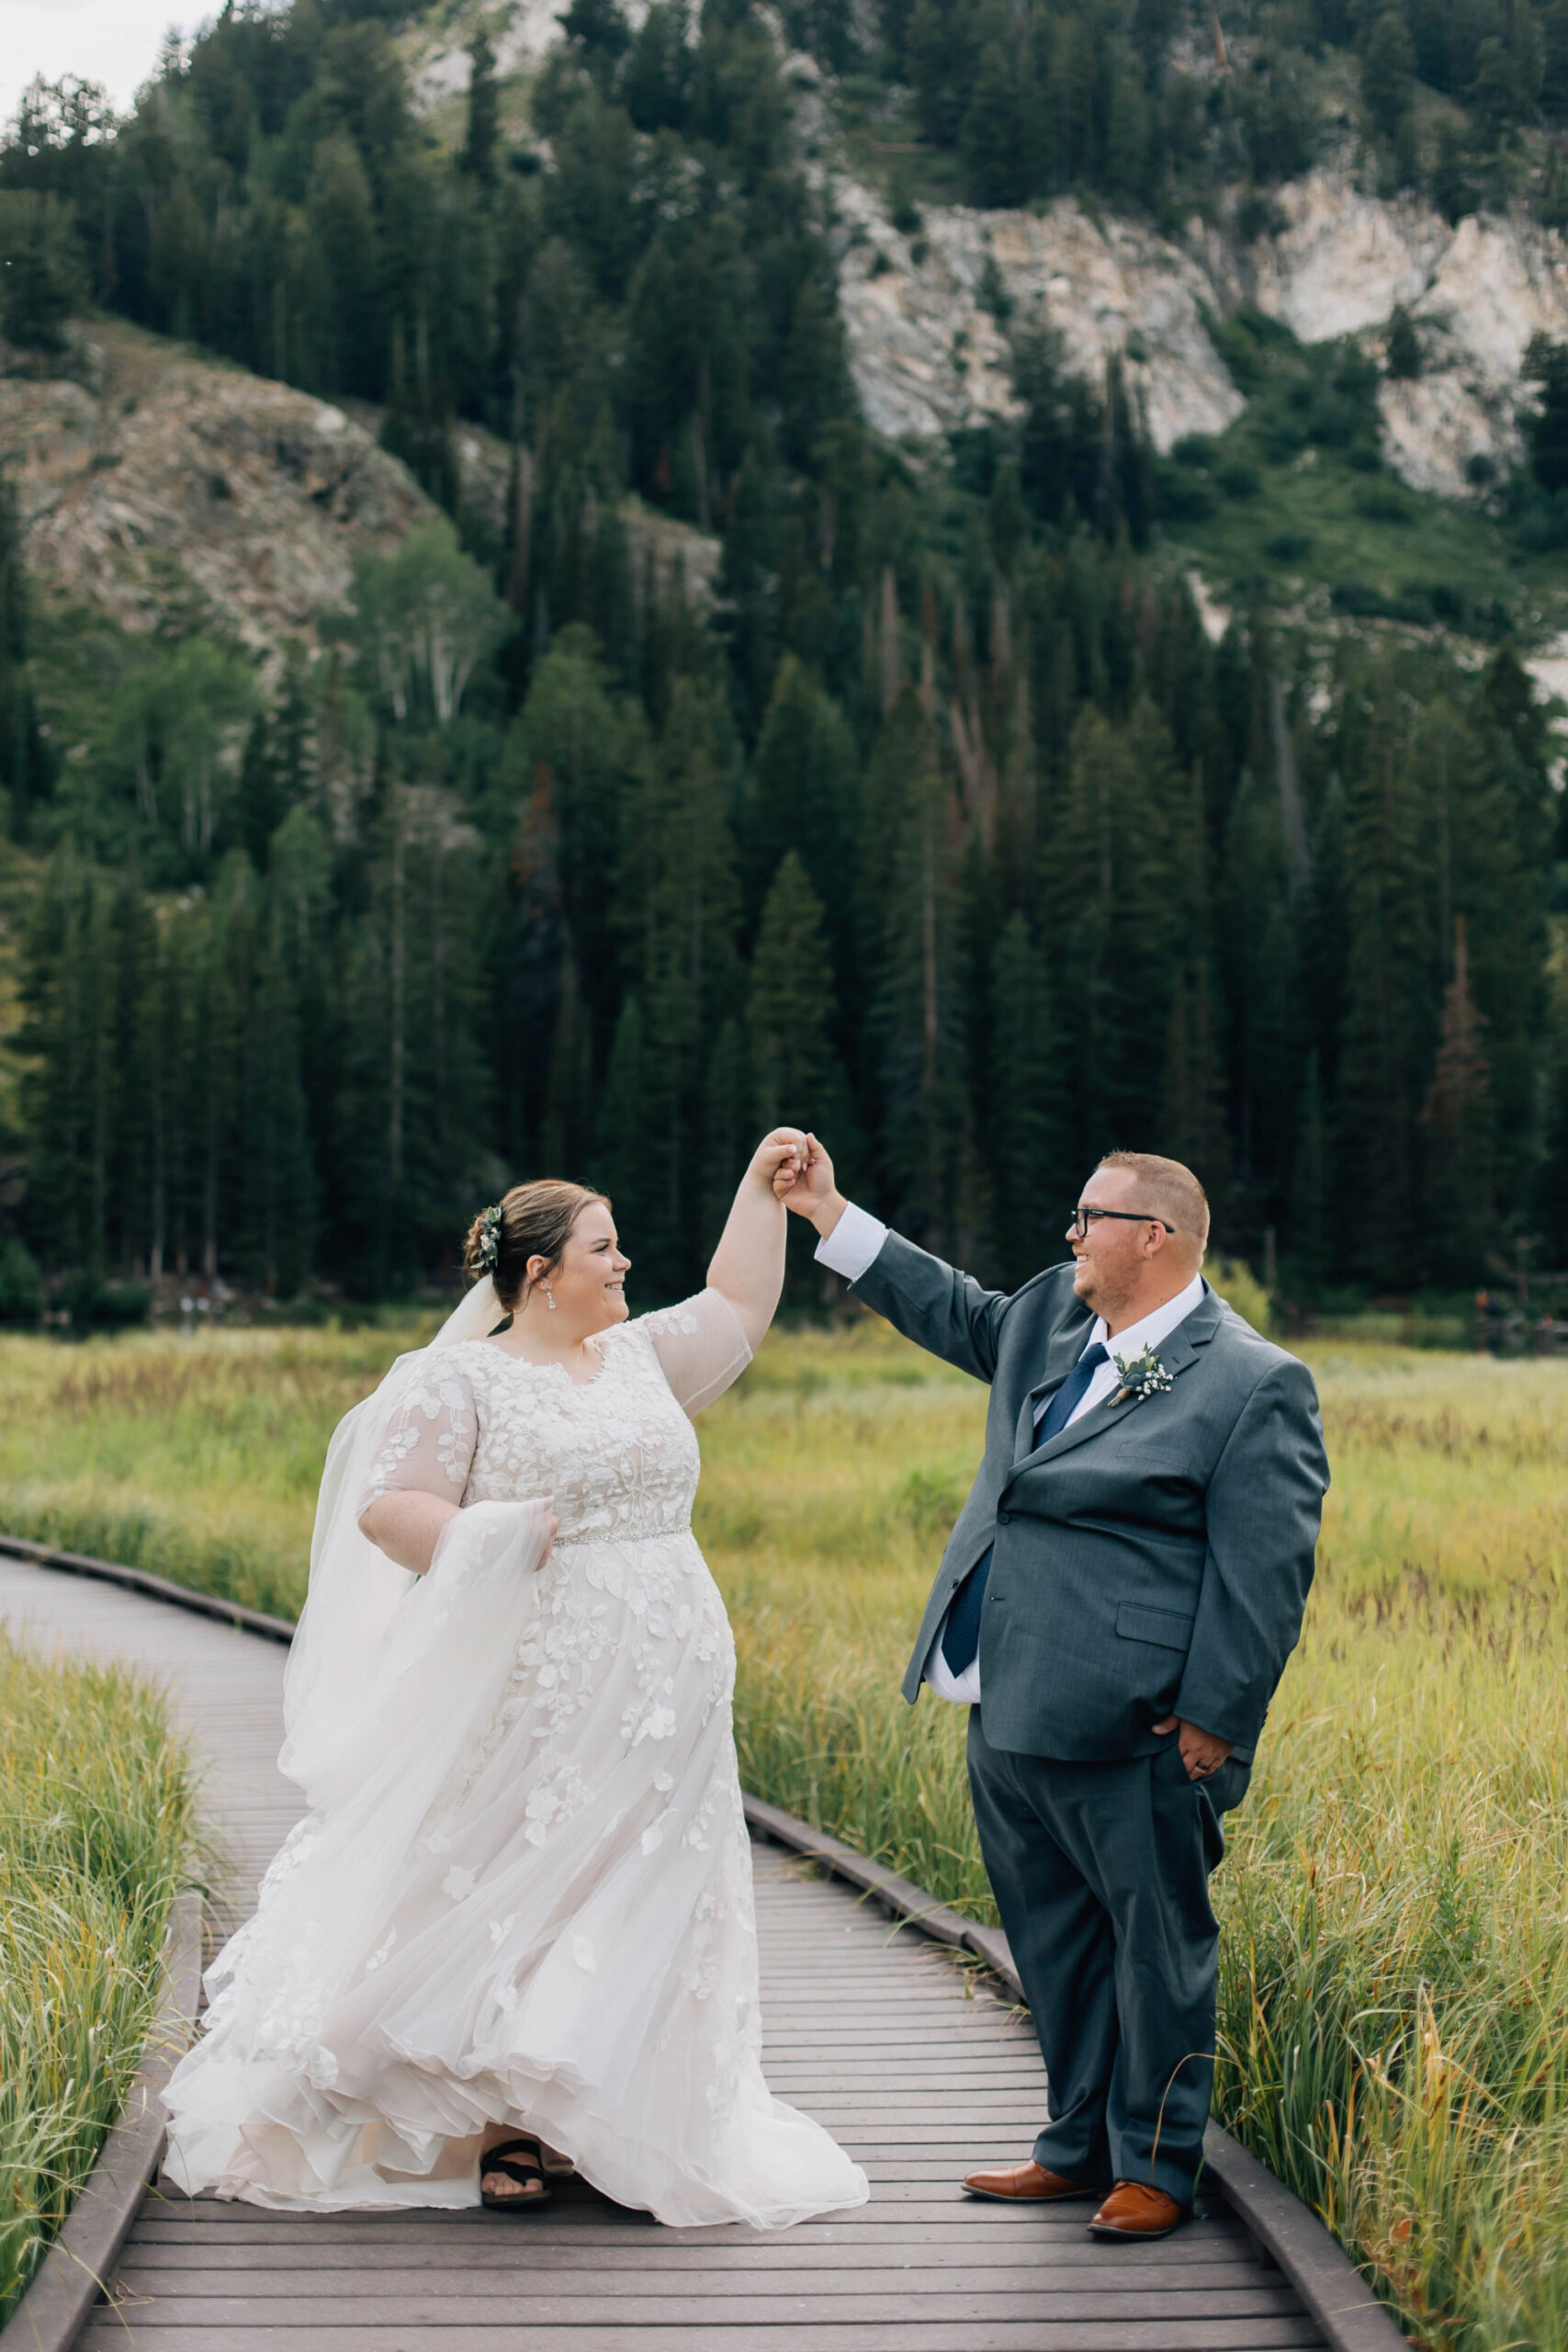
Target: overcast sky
{"points": [[112, 41]]}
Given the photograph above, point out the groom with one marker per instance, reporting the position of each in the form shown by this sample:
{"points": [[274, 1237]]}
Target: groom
{"points": [[1116, 1605]]}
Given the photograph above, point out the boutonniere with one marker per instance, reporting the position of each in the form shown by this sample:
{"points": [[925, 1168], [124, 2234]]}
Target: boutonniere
{"points": [[1142, 1376]]}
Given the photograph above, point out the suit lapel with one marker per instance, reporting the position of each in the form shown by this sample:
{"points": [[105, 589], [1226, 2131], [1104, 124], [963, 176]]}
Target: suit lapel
{"points": [[1062, 1353], [1175, 1354]]}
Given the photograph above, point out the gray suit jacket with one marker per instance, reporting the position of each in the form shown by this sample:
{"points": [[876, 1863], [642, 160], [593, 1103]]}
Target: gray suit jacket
{"points": [[1154, 1557]]}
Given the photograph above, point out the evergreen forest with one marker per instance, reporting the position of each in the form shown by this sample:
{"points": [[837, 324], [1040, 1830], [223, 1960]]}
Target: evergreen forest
{"points": [[942, 824]]}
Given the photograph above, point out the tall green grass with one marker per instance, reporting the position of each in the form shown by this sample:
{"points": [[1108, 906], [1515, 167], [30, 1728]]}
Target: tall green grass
{"points": [[96, 1835], [1394, 1994], [197, 1458]]}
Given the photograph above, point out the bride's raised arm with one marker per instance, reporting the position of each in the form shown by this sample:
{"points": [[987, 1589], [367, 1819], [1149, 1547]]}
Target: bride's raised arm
{"points": [[748, 1266]]}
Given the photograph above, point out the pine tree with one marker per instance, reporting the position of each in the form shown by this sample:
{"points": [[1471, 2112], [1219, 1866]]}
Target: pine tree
{"points": [[40, 271], [1387, 1039], [681, 902], [995, 143], [1546, 426], [1388, 66], [806, 796], [277, 1173], [916, 1025], [69, 996], [789, 1006], [1308, 1240], [641, 1162], [1033, 1182], [23, 767], [484, 112], [730, 1126], [1458, 1225], [1117, 935]]}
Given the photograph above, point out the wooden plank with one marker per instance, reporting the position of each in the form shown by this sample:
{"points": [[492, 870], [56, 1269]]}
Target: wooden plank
{"points": [[323, 2251], [947, 2226], [655, 2308], [577, 2208], [108, 2333], [351, 2273]]}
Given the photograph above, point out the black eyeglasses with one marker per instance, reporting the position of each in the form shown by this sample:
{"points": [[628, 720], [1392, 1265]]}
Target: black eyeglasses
{"points": [[1083, 1218]]}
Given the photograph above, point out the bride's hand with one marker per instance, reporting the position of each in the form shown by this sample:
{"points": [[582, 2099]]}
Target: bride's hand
{"points": [[779, 1159], [552, 1528]]}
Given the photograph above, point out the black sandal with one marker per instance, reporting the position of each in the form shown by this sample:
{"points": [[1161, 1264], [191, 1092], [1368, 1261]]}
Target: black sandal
{"points": [[524, 2168]]}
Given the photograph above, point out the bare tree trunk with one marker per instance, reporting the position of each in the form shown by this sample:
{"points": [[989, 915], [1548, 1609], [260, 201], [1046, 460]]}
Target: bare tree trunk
{"points": [[99, 1015], [439, 983], [209, 1174], [395, 1071], [521, 525], [156, 1205], [928, 981], [889, 640], [1293, 815]]}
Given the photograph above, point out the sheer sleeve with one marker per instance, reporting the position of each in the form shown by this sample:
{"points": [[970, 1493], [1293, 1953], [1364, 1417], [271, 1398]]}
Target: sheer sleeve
{"points": [[429, 1441], [700, 1346]]}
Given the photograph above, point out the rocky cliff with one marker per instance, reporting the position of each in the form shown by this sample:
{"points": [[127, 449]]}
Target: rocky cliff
{"points": [[929, 354], [163, 488], [158, 486]]}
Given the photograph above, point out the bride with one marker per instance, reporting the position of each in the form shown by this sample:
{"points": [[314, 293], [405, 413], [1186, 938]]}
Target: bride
{"points": [[514, 1934]]}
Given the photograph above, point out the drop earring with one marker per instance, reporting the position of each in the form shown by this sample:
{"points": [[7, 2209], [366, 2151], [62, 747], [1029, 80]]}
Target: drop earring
{"points": [[549, 1298]]}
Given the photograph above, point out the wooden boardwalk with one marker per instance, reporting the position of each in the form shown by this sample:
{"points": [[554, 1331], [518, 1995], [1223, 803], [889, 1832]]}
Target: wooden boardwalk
{"points": [[868, 2027]]}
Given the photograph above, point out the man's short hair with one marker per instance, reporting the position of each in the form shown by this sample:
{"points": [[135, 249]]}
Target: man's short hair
{"points": [[1168, 1189]]}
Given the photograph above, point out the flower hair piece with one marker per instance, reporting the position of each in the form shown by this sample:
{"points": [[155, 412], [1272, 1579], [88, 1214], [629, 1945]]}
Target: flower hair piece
{"points": [[489, 1239]]}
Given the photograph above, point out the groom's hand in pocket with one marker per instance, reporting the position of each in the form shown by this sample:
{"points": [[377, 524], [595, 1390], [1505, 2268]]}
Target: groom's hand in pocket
{"points": [[1201, 1753]]}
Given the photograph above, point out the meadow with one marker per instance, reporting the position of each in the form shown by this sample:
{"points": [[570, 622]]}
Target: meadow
{"points": [[1394, 2003], [96, 1836]]}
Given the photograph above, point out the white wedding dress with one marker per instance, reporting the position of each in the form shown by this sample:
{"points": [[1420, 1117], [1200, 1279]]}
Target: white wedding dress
{"points": [[523, 1893]]}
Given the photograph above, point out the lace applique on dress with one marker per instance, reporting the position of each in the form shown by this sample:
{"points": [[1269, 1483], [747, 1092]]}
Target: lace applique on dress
{"points": [[429, 1442]]}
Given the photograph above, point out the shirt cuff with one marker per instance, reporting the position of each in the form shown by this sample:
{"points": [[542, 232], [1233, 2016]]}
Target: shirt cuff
{"points": [[854, 1245], [961, 1690]]}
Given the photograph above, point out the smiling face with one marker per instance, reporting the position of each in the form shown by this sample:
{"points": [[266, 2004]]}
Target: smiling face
{"points": [[588, 1280], [1113, 1256]]}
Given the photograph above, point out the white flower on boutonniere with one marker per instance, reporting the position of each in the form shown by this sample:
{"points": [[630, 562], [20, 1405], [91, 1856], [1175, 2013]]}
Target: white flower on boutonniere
{"points": [[1142, 1376]]}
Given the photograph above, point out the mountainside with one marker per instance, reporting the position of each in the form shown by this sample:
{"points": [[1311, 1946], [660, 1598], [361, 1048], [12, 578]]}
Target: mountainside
{"points": [[1445, 305], [929, 305], [963, 575]]}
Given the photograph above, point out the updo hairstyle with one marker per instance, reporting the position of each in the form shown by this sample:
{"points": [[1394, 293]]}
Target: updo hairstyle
{"points": [[535, 1221]]}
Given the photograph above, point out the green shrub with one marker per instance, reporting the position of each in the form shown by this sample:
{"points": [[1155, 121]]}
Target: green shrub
{"points": [[21, 1285], [1181, 494], [41, 270], [1384, 504], [1358, 599]]}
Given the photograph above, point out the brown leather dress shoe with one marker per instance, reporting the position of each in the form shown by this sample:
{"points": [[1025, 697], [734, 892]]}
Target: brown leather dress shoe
{"points": [[1028, 2184], [1133, 2210]]}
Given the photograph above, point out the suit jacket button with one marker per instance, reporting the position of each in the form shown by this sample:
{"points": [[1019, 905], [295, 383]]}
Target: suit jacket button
{"points": [[1003, 1518]]}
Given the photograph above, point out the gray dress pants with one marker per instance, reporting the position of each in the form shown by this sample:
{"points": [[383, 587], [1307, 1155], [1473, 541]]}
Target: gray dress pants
{"points": [[1101, 1875]]}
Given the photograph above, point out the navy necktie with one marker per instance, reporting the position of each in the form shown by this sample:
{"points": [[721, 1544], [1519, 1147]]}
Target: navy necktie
{"points": [[961, 1640]]}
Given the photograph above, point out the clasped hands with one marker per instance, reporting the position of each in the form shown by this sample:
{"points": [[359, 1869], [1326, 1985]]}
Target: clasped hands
{"points": [[799, 1169]]}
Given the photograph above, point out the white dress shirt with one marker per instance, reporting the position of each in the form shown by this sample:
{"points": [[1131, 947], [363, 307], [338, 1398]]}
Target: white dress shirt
{"points": [[851, 1250]]}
